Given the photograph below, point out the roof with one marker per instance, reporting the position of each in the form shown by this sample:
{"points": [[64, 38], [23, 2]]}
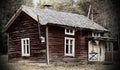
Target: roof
{"points": [[47, 16]]}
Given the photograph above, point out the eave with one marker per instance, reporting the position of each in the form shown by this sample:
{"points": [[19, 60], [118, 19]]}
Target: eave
{"points": [[107, 39], [12, 19]]}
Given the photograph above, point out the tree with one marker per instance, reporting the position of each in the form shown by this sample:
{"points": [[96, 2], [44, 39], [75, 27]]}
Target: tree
{"points": [[7, 9]]}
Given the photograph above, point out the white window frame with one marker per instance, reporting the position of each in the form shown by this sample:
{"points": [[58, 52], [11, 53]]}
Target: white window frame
{"points": [[73, 48], [68, 33], [24, 47]]}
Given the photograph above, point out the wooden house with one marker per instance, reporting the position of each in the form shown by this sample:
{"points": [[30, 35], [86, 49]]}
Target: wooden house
{"points": [[48, 36]]}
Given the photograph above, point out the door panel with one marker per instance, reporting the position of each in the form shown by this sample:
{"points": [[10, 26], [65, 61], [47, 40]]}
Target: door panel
{"points": [[96, 52], [92, 52]]}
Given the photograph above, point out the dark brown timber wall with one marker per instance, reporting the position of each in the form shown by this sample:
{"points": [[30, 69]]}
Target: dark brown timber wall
{"points": [[25, 27], [56, 37]]}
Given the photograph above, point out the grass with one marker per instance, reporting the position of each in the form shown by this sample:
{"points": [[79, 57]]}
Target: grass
{"points": [[38, 66], [29, 66]]}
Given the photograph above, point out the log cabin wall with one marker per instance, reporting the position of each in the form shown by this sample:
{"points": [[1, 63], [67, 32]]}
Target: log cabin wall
{"points": [[56, 37], [25, 27]]}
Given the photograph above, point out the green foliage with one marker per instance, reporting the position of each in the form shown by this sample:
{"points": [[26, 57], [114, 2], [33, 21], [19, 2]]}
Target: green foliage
{"points": [[65, 6]]}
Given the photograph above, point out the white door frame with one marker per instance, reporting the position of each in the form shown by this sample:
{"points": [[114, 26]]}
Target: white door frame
{"points": [[96, 52]]}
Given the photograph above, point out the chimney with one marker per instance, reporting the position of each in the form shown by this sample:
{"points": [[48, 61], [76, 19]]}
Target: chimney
{"points": [[47, 5], [89, 11]]}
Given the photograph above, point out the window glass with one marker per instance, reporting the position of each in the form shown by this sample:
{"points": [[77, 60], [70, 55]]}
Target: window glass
{"points": [[66, 48], [24, 42], [71, 31], [27, 48], [67, 41], [24, 48], [71, 49], [96, 34], [67, 30], [27, 42], [71, 42]]}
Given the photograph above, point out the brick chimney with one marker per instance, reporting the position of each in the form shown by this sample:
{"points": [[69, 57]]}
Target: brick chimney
{"points": [[47, 5]]}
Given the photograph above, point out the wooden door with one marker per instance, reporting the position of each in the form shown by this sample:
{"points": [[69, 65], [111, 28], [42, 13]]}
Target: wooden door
{"points": [[96, 51], [101, 52], [92, 51]]}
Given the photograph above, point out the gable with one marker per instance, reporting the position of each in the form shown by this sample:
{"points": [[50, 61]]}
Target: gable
{"points": [[21, 21]]}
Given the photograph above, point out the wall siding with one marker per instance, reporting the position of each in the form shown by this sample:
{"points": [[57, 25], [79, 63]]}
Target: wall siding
{"points": [[26, 27], [56, 46]]}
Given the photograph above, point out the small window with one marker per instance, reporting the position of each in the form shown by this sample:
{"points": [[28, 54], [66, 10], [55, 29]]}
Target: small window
{"points": [[94, 34], [69, 31], [69, 46], [25, 44]]}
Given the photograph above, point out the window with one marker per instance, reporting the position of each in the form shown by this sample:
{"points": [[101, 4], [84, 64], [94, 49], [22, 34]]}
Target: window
{"points": [[69, 31], [25, 44], [96, 34], [69, 46]]}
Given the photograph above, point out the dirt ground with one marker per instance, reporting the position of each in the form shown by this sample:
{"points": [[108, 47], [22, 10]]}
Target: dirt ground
{"points": [[38, 66]]}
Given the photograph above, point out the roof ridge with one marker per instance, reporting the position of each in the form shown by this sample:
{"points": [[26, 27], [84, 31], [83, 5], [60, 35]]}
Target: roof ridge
{"points": [[61, 18], [51, 10]]}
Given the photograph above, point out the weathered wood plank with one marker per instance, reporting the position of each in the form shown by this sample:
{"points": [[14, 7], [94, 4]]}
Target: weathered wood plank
{"points": [[56, 45], [26, 27]]}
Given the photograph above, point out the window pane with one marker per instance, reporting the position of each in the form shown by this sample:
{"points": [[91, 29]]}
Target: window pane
{"points": [[27, 41], [71, 31], [71, 42], [67, 30], [27, 49], [70, 49], [67, 41], [23, 42], [66, 48], [24, 48]]}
